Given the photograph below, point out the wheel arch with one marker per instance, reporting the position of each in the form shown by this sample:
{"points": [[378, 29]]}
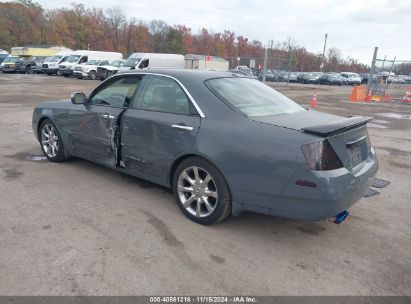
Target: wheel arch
{"points": [[183, 157], [43, 118]]}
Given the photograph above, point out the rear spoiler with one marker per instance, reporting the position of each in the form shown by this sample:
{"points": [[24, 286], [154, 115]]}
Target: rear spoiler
{"points": [[338, 126]]}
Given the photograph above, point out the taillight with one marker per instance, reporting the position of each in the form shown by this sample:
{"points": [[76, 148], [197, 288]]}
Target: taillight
{"points": [[320, 156]]}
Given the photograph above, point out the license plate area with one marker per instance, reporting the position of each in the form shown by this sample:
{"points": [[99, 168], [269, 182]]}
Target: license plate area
{"points": [[357, 151]]}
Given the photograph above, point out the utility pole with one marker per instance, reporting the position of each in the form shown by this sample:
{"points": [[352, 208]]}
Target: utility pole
{"points": [[372, 71], [322, 57], [289, 64], [265, 62]]}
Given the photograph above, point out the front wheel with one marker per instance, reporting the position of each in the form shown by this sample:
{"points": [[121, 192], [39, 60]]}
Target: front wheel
{"points": [[201, 191], [50, 141], [92, 75]]}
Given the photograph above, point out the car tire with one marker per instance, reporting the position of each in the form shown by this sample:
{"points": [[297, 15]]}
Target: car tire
{"points": [[54, 150], [202, 203], [92, 75]]}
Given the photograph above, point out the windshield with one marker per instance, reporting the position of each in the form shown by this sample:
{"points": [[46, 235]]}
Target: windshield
{"points": [[53, 59], [251, 97], [116, 63], [73, 58], [93, 62], [131, 62], [11, 59]]}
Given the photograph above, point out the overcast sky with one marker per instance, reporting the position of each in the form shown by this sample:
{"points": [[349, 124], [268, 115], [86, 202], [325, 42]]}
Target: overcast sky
{"points": [[353, 26]]}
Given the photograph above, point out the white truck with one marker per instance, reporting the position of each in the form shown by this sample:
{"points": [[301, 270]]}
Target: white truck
{"points": [[51, 64], [89, 69], [153, 60], [79, 57]]}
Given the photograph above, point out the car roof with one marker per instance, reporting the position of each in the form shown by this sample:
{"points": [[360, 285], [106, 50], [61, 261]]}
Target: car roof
{"points": [[187, 74]]}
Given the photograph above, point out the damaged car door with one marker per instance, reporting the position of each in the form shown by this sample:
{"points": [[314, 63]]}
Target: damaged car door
{"points": [[94, 133], [160, 124]]}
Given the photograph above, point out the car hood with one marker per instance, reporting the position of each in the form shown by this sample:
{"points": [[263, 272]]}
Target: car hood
{"points": [[298, 120]]}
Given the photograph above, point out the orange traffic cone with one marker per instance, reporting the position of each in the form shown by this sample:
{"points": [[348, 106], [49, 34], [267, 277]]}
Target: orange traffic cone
{"points": [[369, 96], [407, 97], [314, 101]]}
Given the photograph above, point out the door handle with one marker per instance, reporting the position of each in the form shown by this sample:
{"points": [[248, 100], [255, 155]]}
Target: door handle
{"points": [[181, 127], [107, 116]]}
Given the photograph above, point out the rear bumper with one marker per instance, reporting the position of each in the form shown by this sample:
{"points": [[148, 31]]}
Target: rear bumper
{"points": [[336, 191]]}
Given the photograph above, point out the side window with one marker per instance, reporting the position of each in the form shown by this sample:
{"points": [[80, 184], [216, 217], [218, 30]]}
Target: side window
{"points": [[104, 62], [117, 93], [83, 59], [144, 64], [163, 94]]}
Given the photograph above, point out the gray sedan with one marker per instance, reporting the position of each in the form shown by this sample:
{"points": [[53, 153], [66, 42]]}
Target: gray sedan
{"points": [[223, 142]]}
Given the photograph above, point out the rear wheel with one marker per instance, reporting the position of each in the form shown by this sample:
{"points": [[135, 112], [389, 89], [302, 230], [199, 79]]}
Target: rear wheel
{"points": [[201, 191], [51, 142]]}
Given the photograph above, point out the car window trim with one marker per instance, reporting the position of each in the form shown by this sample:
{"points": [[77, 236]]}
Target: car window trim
{"points": [[104, 85], [190, 97], [144, 83]]}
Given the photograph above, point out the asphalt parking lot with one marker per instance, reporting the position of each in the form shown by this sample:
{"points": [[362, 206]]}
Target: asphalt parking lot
{"points": [[76, 228]]}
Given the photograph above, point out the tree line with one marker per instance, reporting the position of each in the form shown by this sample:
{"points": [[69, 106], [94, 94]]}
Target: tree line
{"points": [[25, 22]]}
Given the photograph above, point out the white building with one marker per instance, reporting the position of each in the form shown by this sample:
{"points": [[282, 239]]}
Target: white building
{"points": [[204, 62]]}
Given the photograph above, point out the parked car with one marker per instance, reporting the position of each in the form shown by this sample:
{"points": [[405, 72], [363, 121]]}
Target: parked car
{"points": [[247, 73], [269, 76], [364, 78], [293, 77], [352, 78], [330, 79], [3, 55], [18, 64], [9, 64], [300, 77], [36, 68], [51, 64], [89, 69], [224, 143], [105, 71], [82, 56], [313, 77]]}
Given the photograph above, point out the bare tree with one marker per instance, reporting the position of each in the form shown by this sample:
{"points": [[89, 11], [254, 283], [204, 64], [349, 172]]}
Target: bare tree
{"points": [[158, 30], [116, 20]]}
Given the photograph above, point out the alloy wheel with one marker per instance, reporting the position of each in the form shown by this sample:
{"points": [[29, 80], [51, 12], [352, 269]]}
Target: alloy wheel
{"points": [[197, 191], [49, 140]]}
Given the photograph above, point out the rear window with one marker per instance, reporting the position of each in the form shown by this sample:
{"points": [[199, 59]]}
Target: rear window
{"points": [[251, 97]]}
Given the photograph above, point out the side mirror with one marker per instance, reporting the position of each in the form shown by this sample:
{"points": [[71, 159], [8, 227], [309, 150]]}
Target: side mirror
{"points": [[78, 98]]}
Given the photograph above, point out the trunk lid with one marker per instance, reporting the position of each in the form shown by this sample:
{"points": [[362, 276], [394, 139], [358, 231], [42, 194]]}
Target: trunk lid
{"points": [[347, 136]]}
